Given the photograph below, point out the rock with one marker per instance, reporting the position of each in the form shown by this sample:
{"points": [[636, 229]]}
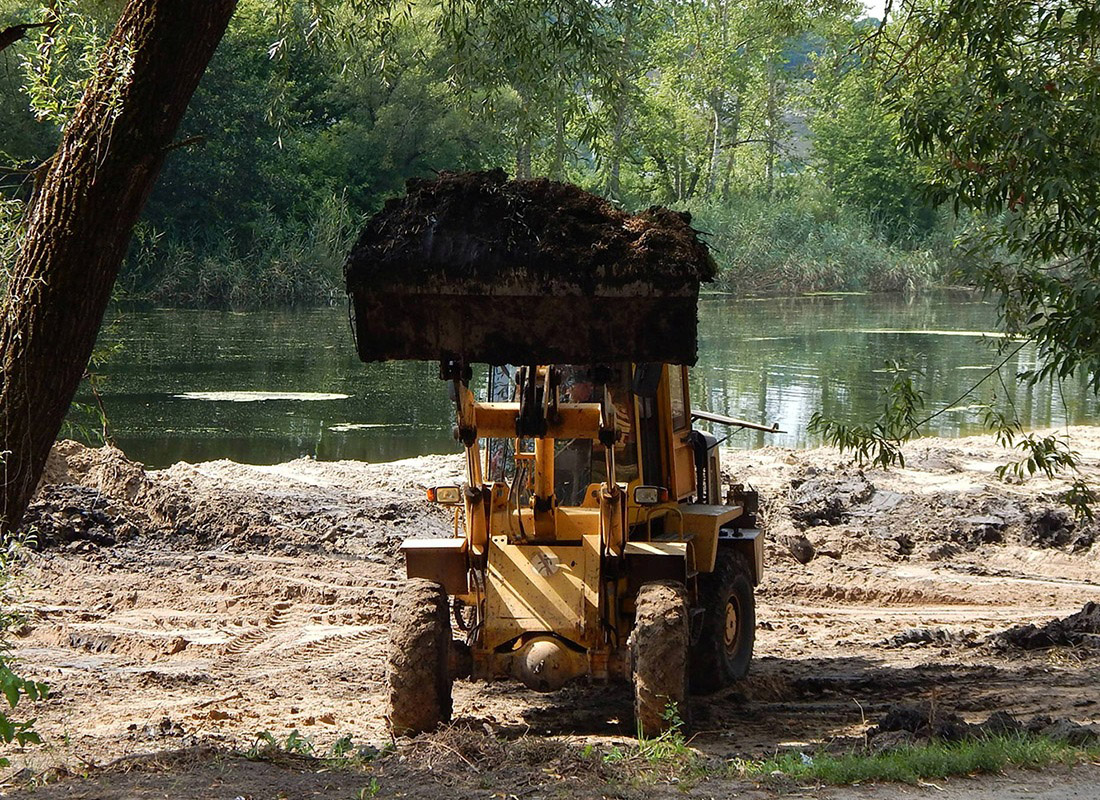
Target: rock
{"points": [[800, 548]]}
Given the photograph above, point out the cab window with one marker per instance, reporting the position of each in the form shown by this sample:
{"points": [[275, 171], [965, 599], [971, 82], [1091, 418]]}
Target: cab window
{"points": [[678, 404]]}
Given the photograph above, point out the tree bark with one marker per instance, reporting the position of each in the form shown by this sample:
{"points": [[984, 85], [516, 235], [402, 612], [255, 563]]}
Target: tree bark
{"points": [[620, 109], [80, 220]]}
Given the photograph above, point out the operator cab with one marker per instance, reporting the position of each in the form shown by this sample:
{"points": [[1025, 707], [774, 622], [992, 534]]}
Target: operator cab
{"points": [[645, 451]]}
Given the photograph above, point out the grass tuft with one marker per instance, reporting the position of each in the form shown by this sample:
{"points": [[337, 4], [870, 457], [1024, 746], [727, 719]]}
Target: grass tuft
{"points": [[912, 764]]}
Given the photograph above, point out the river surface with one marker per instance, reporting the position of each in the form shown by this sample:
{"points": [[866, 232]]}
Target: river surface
{"points": [[270, 386]]}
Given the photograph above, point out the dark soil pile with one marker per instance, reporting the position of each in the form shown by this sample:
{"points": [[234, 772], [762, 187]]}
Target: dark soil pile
{"points": [[824, 498], [482, 227], [92, 497], [905, 725], [1052, 527], [1080, 629], [63, 514]]}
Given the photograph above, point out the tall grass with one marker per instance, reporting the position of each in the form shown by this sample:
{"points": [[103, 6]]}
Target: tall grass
{"points": [[285, 264], [801, 244]]}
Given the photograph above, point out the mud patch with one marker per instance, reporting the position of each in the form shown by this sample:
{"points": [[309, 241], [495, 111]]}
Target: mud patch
{"points": [[818, 498], [1052, 527], [923, 637], [258, 599]]}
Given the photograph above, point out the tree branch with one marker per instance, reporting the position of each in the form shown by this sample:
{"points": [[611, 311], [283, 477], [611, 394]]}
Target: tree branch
{"points": [[13, 34]]}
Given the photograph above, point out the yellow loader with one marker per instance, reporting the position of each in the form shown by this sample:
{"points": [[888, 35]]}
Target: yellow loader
{"points": [[593, 537]]}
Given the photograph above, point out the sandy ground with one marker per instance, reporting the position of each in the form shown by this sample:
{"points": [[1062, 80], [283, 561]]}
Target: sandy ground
{"points": [[183, 611]]}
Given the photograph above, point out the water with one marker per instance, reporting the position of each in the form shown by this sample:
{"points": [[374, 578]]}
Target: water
{"points": [[265, 387]]}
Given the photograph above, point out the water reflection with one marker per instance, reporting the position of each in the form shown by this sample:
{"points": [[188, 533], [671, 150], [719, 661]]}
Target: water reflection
{"points": [[830, 357], [173, 391]]}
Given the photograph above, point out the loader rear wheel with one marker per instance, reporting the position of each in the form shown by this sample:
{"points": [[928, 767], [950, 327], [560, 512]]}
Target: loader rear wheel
{"points": [[659, 654], [418, 668], [724, 649]]}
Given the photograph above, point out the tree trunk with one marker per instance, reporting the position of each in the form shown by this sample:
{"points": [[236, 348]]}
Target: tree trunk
{"points": [[623, 79], [614, 188], [731, 159], [557, 165], [771, 127], [715, 144], [523, 157], [80, 221]]}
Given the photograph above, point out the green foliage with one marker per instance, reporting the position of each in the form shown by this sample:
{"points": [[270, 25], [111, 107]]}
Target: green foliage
{"points": [[919, 762], [1000, 98], [310, 115], [296, 264], [806, 242], [344, 753], [667, 752], [878, 443], [65, 55], [856, 146], [370, 790], [13, 688], [265, 747], [1049, 455]]}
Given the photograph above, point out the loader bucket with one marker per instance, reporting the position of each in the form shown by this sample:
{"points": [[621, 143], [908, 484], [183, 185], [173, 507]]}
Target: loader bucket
{"points": [[477, 268]]}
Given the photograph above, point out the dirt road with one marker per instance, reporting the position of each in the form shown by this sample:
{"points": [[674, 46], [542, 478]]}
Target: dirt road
{"points": [[196, 606]]}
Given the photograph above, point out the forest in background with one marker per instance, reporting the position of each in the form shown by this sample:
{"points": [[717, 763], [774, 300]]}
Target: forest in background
{"points": [[758, 118]]}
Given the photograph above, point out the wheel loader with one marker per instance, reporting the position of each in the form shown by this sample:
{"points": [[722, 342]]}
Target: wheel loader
{"points": [[593, 536]]}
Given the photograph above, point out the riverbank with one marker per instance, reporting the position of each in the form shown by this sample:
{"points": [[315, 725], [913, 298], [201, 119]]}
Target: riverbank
{"points": [[789, 246], [186, 609]]}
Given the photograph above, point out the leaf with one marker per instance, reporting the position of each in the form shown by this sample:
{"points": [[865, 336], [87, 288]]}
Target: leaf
{"points": [[11, 689]]}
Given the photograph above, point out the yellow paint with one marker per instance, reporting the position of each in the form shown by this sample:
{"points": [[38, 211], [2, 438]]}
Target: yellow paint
{"points": [[536, 588]]}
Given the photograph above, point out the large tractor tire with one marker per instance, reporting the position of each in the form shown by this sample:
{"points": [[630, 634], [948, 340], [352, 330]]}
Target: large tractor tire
{"points": [[659, 654], [724, 649], [418, 670]]}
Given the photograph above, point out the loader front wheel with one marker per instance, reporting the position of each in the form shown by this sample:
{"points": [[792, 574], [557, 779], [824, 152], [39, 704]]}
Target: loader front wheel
{"points": [[659, 654], [724, 649], [418, 668]]}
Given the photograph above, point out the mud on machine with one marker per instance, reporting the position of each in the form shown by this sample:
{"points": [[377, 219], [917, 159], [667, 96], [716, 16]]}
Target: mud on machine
{"points": [[593, 536]]}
